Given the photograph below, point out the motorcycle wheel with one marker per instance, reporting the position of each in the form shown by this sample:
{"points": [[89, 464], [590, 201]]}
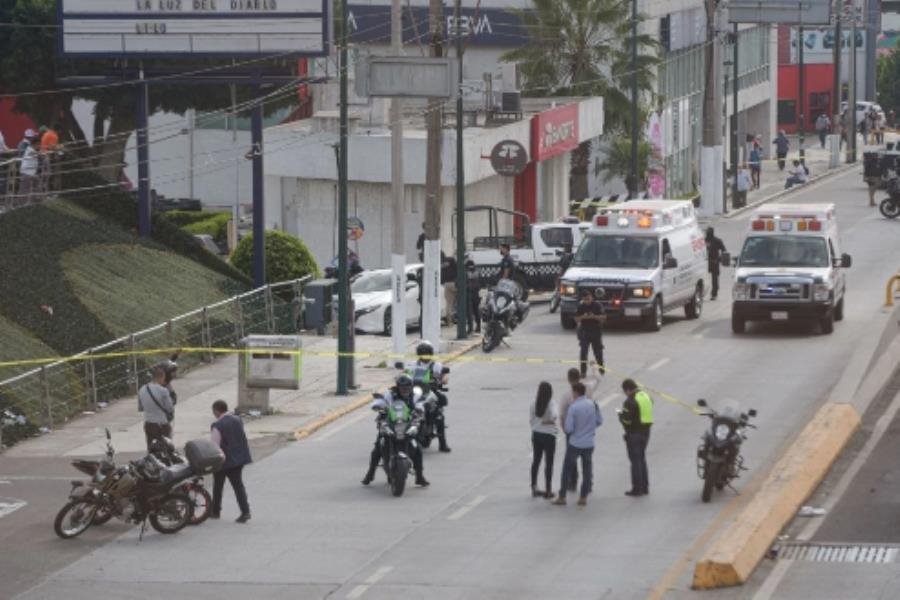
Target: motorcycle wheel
{"points": [[710, 477], [889, 208], [489, 341], [554, 302], [172, 514], [74, 518], [398, 477], [103, 514], [201, 502]]}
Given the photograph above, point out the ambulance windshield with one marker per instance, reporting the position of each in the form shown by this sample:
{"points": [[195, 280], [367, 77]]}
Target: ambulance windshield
{"points": [[618, 252], [784, 251]]}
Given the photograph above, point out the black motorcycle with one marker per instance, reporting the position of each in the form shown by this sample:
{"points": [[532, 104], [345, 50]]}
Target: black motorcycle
{"points": [[718, 458], [399, 427], [139, 491], [163, 449], [890, 206], [503, 310]]}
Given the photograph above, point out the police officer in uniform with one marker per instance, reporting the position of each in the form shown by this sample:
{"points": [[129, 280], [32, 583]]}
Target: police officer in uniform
{"points": [[431, 374], [636, 416], [507, 266], [590, 317]]}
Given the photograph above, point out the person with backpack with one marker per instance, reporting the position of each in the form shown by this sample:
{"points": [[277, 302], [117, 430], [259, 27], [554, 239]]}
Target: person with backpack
{"points": [[156, 403]]}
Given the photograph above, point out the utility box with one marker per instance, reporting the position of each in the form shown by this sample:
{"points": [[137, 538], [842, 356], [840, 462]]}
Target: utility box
{"points": [[267, 362], [317, 311]]}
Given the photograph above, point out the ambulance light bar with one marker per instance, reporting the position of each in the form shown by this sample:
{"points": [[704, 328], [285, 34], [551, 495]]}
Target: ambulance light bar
{"points": [[767, 223]]}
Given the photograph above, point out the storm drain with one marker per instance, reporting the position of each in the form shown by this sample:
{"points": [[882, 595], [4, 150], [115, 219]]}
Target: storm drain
{"points": [[845, 553]]}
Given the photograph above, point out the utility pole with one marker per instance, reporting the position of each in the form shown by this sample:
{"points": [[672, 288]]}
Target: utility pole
{"points": [[851, 98], [398, 243], [633, 184], [259, 217], [343, 361], [143, 152], [801, 80], [462, 304], [836, 87], [431, 302], [711, 155], [734, 121]]}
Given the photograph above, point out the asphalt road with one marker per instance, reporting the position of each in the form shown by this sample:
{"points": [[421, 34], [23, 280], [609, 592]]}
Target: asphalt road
{"points": [[476, 532]]}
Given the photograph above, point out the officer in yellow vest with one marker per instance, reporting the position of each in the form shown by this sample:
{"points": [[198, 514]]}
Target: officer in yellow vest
{"points": [[636, 416]]}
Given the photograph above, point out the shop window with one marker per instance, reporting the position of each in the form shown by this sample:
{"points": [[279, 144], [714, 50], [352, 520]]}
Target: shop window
{"points": [[787, 112]]}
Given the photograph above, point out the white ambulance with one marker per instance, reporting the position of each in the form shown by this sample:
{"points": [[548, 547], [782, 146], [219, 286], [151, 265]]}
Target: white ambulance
{"points": [[640, 258], [790, 267]]}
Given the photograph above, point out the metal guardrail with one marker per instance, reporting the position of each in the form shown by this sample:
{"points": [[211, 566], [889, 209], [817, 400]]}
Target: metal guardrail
{"points": [[16, 191], [53, 393]]}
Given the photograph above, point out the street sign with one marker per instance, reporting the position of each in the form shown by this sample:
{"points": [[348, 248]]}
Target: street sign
{"points": [[172, 28], [406, 77], [787, 12], [509, 158]]}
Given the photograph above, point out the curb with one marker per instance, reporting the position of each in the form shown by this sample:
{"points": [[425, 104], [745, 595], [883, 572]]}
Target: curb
{"points": [[772, 197], [361, 400]]}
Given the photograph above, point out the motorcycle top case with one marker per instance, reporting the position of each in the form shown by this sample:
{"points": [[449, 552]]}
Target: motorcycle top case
{"points": [[204, 456]]}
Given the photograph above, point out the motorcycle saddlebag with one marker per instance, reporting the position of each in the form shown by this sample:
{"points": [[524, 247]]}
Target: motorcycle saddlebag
{"points": [[204, 456]]}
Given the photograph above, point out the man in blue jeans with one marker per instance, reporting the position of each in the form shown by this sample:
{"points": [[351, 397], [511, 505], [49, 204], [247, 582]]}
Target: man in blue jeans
{"points": [[582, 420]]}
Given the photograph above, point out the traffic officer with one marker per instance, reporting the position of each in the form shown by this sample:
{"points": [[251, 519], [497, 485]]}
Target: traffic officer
{"points": [[429, 373], [636, 416], [714, 250], [590, 317]]}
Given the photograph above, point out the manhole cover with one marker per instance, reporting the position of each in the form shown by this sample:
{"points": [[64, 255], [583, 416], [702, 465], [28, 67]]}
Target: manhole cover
{"points": [[847, 553]]}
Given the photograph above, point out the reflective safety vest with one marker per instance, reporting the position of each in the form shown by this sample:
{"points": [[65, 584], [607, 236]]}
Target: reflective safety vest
{"points": [[421, 373], [645, 405]]}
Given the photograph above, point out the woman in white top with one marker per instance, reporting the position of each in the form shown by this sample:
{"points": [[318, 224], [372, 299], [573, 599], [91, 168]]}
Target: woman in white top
{"points": [[543, 438]]}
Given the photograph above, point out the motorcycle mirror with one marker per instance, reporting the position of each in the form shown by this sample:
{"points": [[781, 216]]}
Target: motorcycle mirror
{"points": [[398, 365], [701, 402], [752, 412]]}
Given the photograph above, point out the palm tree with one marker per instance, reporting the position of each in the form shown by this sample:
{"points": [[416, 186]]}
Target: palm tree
{"points": [[618, 161], [583, 48]]}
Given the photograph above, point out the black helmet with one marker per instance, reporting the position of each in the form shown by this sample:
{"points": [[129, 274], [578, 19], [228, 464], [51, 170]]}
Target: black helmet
{"points": [[425, 348], [404, 383]]}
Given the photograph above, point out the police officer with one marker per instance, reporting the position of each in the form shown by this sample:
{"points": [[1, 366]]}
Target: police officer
{"points": [[403, 389], [714, 250], [431, 374], [507, 266], [636, 416], [590, 317]]}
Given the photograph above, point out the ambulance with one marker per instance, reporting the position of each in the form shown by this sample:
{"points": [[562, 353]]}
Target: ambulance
{"points": [[790, 267], [640, 258]]}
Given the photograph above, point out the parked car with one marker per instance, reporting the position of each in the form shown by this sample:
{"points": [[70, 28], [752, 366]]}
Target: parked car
{"points": [[371, 292]]}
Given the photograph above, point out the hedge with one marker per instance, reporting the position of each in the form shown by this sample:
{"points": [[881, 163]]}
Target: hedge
{"points": [[215, 225], [287, 257]]}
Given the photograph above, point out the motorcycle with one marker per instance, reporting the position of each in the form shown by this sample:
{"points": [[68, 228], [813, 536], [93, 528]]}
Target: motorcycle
{"points": [[890, 206], [399, 429], [429, 400], [164, 450], [502, 313], [139, 491], [718, 458]]}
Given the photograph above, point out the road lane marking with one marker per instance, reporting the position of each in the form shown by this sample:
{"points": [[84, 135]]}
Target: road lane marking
{"points": [[466, 508], [369, 582], [608, 399], [658, 364], [339, 428], [10, 505], [776, 575]]}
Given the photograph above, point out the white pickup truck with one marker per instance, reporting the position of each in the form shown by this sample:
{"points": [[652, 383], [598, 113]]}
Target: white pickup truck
{"points": [[535, 248]]}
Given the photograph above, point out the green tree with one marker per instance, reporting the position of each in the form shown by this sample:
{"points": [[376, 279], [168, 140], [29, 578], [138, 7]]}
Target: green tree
{"points": [[618, 161], [888, 79], [287, 257], [583, 48], [29, 63]]}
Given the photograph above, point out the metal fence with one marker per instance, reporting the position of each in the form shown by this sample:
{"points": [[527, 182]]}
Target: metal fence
{"points": [[53, 393]]}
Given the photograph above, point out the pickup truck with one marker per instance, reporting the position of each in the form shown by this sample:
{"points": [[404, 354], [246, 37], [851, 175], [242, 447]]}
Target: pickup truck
{"points": [[535, 247]]}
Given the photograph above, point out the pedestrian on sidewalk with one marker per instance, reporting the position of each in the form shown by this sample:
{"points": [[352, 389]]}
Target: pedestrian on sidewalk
{"points": [[755, 162], [798, 175], [590, 317], [582, 421], [636, 417], [473, 297], [744, 184], [227, 432], [782, 144], [823, 126], [568, 397], [714, 249], [448, 280], [543, 439], [155, 402]]}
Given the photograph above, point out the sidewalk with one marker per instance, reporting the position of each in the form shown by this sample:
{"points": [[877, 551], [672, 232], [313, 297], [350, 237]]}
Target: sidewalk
{"points": [[197, 389]]}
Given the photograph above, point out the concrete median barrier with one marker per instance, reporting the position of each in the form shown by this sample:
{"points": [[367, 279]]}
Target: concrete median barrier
{"points": [[732, 557]]}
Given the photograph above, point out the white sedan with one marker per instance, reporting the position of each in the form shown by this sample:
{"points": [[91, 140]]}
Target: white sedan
{"points": [[371, 291]]}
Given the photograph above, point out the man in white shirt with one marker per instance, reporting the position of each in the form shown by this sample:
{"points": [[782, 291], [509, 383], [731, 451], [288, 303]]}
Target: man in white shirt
{"points": [[798, 175], [28, 166], [156, 404]]}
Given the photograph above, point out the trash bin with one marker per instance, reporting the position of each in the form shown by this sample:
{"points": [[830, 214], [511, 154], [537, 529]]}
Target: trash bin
{"points": [[317, 310], [267, 362]]}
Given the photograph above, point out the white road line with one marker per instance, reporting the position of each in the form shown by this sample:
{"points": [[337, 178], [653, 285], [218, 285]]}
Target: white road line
{"points": [[462, 511], [369, 582], [698, 336], [608, 399], [338, 428], [658, 364], [767, 590], [10, 505]]}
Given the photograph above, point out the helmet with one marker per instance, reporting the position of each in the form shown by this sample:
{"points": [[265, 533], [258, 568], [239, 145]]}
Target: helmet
{"points": [[425, 348], [404, 383]]}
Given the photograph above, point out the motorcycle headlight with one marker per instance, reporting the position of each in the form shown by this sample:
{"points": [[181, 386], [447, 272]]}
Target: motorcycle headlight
{"points": [[740, 291], [642, 291], [722, 432], [821, 292], [567, 289], [502, 301]]}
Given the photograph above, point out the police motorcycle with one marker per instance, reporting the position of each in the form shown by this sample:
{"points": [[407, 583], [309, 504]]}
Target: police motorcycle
{"points": [[135, 492], [430, 387], [502, 312], [890, 206], [718, 458], [398, 426], [163, 449]]}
